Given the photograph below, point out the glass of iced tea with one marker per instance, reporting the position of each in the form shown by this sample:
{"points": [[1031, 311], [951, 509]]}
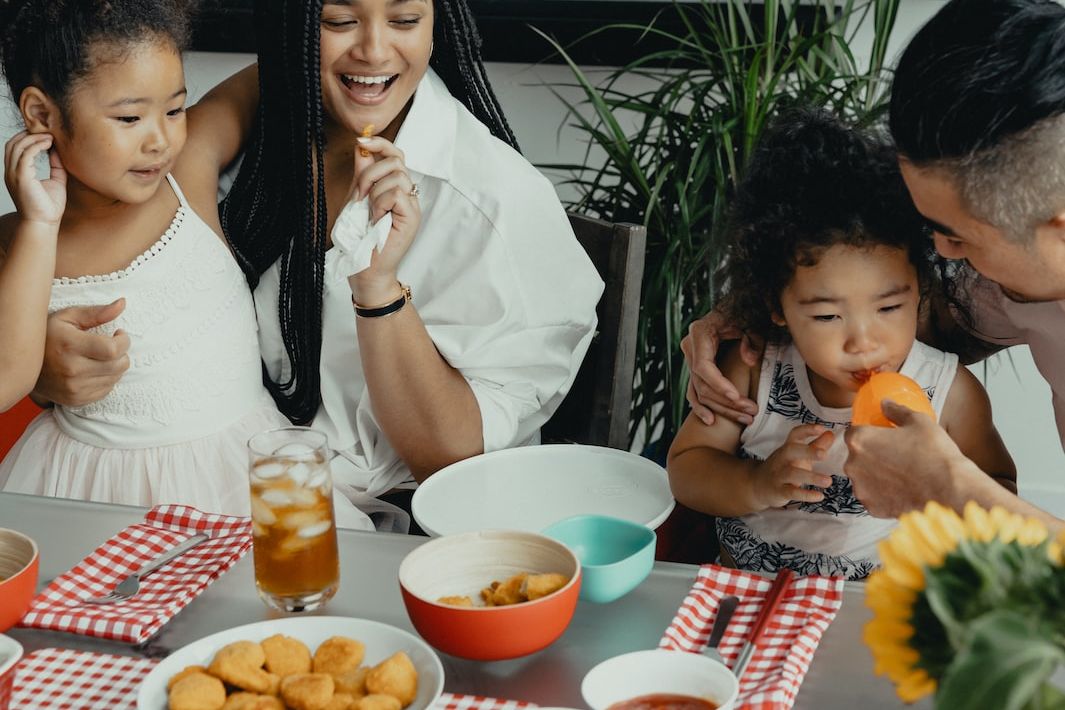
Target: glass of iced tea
{"points": [[293, 529]]}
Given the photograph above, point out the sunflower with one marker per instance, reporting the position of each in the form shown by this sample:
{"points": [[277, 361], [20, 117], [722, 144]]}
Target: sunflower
{"points": [[930, 551]]}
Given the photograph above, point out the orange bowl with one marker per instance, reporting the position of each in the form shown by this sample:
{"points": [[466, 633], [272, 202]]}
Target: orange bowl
{"points": [[900, 389], [465, 563], [18, 576]]}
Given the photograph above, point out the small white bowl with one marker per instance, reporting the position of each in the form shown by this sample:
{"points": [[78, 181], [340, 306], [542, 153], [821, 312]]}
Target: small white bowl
{"points": [[10, 653], [659, 671]]}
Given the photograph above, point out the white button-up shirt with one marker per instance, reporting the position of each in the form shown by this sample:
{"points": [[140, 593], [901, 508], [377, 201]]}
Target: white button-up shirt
{"points": [[506, 293]]}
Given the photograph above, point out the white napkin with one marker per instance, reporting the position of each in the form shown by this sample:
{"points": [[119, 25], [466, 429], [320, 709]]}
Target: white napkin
{"points": [[354, 240]]}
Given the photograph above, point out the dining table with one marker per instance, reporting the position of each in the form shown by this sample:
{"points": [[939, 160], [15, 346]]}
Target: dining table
{"points": [[840, 677]]}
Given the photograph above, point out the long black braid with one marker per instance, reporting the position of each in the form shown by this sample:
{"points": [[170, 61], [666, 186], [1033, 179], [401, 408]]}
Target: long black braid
{"points": [[264, 216], [457, 59], [284, 166]]}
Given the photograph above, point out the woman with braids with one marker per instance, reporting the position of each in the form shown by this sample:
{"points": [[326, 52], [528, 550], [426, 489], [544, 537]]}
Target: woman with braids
{"points": [[420, 295]]}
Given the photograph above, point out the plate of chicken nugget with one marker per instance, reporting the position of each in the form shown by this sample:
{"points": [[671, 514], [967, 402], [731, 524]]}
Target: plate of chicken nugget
{"points": [[312, 663]]}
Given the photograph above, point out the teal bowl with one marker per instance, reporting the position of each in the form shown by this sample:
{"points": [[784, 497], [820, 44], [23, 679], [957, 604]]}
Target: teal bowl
{"points": [[615, 554]]}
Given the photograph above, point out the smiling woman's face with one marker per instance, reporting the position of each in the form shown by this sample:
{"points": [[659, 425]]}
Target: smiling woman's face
{"points": [[373, 55]]}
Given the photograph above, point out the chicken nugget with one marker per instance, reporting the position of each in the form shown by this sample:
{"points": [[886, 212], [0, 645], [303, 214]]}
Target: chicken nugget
{"points": [[286, 655], [341, 701], [307, 691], [197, 691], [338, 654], [509, 592], [241, 664], [456, 601], [252, 701], [395, 676], [186, 671], [352, 683], [540, 585], [378, 702], [487, 592]]}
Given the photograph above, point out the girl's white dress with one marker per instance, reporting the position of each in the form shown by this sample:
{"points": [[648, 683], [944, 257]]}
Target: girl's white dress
{"points": [[175, 427]]}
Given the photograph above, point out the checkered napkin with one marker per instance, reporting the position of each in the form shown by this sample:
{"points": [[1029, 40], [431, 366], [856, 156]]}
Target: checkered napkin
{"points": [[61, 679], [163, 593], [788, 643], [55, 678]]}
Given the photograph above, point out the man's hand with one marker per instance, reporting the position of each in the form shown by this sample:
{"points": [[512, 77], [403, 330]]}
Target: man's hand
{"points": [[709, 391], [785, 475], [82, 367], [897, 470]]}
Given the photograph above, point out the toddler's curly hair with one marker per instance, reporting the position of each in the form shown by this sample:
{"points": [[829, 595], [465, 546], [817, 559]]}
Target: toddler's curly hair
{"points": [[811, 183]]}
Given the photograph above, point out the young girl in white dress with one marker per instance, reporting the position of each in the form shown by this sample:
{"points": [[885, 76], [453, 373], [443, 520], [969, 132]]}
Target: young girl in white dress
{"points": [[827, 265], [130, 206]]}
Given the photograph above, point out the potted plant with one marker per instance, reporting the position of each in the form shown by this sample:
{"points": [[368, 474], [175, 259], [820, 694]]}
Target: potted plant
{"points": [[730, 69]]}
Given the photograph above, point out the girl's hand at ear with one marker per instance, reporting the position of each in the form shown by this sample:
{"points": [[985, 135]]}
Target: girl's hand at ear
{"points": [[36, 200], [382, 175], [783, 477]]}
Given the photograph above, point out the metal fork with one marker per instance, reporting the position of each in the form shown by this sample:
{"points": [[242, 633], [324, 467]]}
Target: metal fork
{"points": [[724, 614], [132, 583]]}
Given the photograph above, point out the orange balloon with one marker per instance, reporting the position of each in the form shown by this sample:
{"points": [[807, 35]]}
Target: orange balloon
{"points": [[888, 385]]}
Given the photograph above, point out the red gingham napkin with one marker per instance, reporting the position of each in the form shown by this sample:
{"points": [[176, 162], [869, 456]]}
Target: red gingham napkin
{"points": [[163, 593], [782, 658], [61, 679], [57, 678]]}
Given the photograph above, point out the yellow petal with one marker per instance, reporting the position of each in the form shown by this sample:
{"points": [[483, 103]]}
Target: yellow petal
{"points": [[882, 593], [915, 686], [881, 630], [1033, 532], [1054, 553], [908, 541], [894, 660], [978, 523], [1005, 524], [942, 539], [901, 570]]}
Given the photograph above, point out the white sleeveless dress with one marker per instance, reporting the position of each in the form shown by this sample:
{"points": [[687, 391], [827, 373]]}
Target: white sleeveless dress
{"points": [[174, 428], [836, 536]]}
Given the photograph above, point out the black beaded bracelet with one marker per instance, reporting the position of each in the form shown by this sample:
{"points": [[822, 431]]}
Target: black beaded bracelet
{"points": [[385, 310]]}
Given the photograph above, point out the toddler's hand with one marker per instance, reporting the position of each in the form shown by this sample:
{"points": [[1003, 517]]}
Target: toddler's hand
{"points": [[381, 174], [36, 200], [783, 477]]}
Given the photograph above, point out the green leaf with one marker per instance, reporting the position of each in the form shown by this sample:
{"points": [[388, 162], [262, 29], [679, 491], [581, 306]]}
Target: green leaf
{"points": [[1005, 665]]}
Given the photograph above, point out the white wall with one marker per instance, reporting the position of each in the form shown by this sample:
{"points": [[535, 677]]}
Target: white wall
{"points": [[1020, 397]]}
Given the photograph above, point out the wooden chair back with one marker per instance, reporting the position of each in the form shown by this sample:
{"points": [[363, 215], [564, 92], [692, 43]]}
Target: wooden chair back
{"points": [[597, 408]]}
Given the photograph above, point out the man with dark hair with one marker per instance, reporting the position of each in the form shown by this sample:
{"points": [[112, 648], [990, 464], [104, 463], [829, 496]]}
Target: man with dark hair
{"points": [[978, 114]]}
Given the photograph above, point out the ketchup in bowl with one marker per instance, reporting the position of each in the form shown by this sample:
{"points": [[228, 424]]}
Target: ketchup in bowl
{"points": [[664, 701]]}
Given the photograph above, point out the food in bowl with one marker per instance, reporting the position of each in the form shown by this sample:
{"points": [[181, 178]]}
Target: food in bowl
{"points": [[280, 672], [455, 565], [634, 676], [19, 563], [380, 642], [664, 701], [522, 587]]}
